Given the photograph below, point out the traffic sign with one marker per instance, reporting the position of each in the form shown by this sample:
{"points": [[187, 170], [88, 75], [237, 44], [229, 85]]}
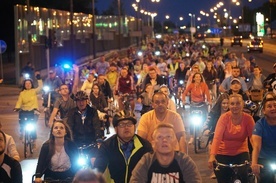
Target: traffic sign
{"points": [[3, 46]]}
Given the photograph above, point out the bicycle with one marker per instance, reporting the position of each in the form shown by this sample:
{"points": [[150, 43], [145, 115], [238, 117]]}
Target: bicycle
{"points": [[197, 112], [27, 121], [236, 169], [84, 152]]}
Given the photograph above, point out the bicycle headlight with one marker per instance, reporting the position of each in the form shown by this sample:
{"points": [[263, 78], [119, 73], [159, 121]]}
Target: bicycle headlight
{"points": [[181, 82], [157, 53], [26, 76], [273, 166], [82, 161], [46, 88], [29, 127], [140, 53]]}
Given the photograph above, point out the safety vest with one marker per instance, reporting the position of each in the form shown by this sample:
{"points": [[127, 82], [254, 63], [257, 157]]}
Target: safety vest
{"points": [[205, 53], [224, 51], [173, 69]]}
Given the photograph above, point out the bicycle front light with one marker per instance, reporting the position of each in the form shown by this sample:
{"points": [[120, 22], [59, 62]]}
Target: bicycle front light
{"points": [[46, 89], [26, 76], [140, 53], [82, 160], [29, 127], [273, 166], [181, 82]]}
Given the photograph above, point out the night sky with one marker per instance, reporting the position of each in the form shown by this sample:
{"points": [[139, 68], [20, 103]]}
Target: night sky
{"points": [[177, 8]]}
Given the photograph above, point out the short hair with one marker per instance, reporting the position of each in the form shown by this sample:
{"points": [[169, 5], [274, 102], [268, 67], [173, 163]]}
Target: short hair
{"points": [[85, 175], [4, 136], [163, 125], [236, 68], [268, 100], [235, 95], [159, 93]]}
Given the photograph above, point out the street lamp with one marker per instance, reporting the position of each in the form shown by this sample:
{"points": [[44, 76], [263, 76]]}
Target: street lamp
{"points": [[152, 22], [192, 28]]}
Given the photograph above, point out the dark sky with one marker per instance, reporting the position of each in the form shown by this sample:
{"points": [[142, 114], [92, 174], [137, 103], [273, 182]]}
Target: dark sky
{"points": [[177, 8]]}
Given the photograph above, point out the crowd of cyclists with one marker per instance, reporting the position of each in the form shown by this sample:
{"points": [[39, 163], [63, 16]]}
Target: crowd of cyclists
{"points": [[238, 107]]}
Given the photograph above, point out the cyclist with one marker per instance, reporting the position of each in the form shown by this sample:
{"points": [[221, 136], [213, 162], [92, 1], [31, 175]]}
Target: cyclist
{"points": [[65, 102], [125, 85], [28, 103], [230, 145], [264, 145], [199, 92], [10, 149], [58, 156], [84, 121], [10, 169], [165, 165], [125, 148], [270, 80]]}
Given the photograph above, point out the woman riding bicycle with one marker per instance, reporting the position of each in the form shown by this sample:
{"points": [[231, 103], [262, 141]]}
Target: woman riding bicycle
{"points": [[58, 156], [230, 145], [221, 106], [199, 91], [28, 104]]}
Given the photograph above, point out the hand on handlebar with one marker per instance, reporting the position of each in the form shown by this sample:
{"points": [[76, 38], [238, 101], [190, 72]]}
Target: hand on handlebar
{"points": [[256, 168], [212, 160]]}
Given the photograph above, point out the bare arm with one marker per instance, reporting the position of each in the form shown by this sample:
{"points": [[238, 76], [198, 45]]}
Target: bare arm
{"points": [[76, 79], [257, 144], [52, 117], [181, 137]]}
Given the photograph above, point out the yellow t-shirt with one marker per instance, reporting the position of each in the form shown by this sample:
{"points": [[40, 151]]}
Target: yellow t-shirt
{"points": [[148, 122]]}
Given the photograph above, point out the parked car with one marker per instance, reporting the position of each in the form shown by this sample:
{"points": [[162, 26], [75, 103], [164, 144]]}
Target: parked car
{"points": [[255, 44], [236, 40]]}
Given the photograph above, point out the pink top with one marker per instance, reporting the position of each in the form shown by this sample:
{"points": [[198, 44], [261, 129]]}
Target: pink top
{"points": [[198, 93], [231, 139]]}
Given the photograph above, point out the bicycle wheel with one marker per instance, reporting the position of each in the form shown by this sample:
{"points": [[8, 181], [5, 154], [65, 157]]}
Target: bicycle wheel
{"points": [[25, 144], [196, 140]]}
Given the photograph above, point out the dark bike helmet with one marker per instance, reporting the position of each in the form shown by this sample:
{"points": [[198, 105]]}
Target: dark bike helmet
{"points": [[123, 115], [80, 95]]}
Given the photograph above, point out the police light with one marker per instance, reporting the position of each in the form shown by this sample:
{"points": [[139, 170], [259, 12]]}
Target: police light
{"points": [[66, 66]]}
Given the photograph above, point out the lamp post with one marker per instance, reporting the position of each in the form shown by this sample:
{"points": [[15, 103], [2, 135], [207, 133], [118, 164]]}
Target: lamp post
{"points": [[94, 29], [192, 28], [152, 22], [119, 23]]}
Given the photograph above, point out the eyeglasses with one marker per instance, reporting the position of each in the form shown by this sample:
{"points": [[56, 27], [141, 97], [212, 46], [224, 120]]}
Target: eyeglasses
{"points": [[123, 125], [161, 138]]}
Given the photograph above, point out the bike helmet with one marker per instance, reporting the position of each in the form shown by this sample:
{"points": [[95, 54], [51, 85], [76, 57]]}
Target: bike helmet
{"points": [[250, 106], [80, 95], [123, 115]]}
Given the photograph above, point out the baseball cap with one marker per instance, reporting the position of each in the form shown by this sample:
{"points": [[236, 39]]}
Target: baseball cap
{"points": [[51, 71], [235, 80]]}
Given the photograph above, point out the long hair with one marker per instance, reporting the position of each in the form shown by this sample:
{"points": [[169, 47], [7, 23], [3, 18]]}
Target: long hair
{"points": [[202, 78], [67, 137], [217, 106], [23, 84]]}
